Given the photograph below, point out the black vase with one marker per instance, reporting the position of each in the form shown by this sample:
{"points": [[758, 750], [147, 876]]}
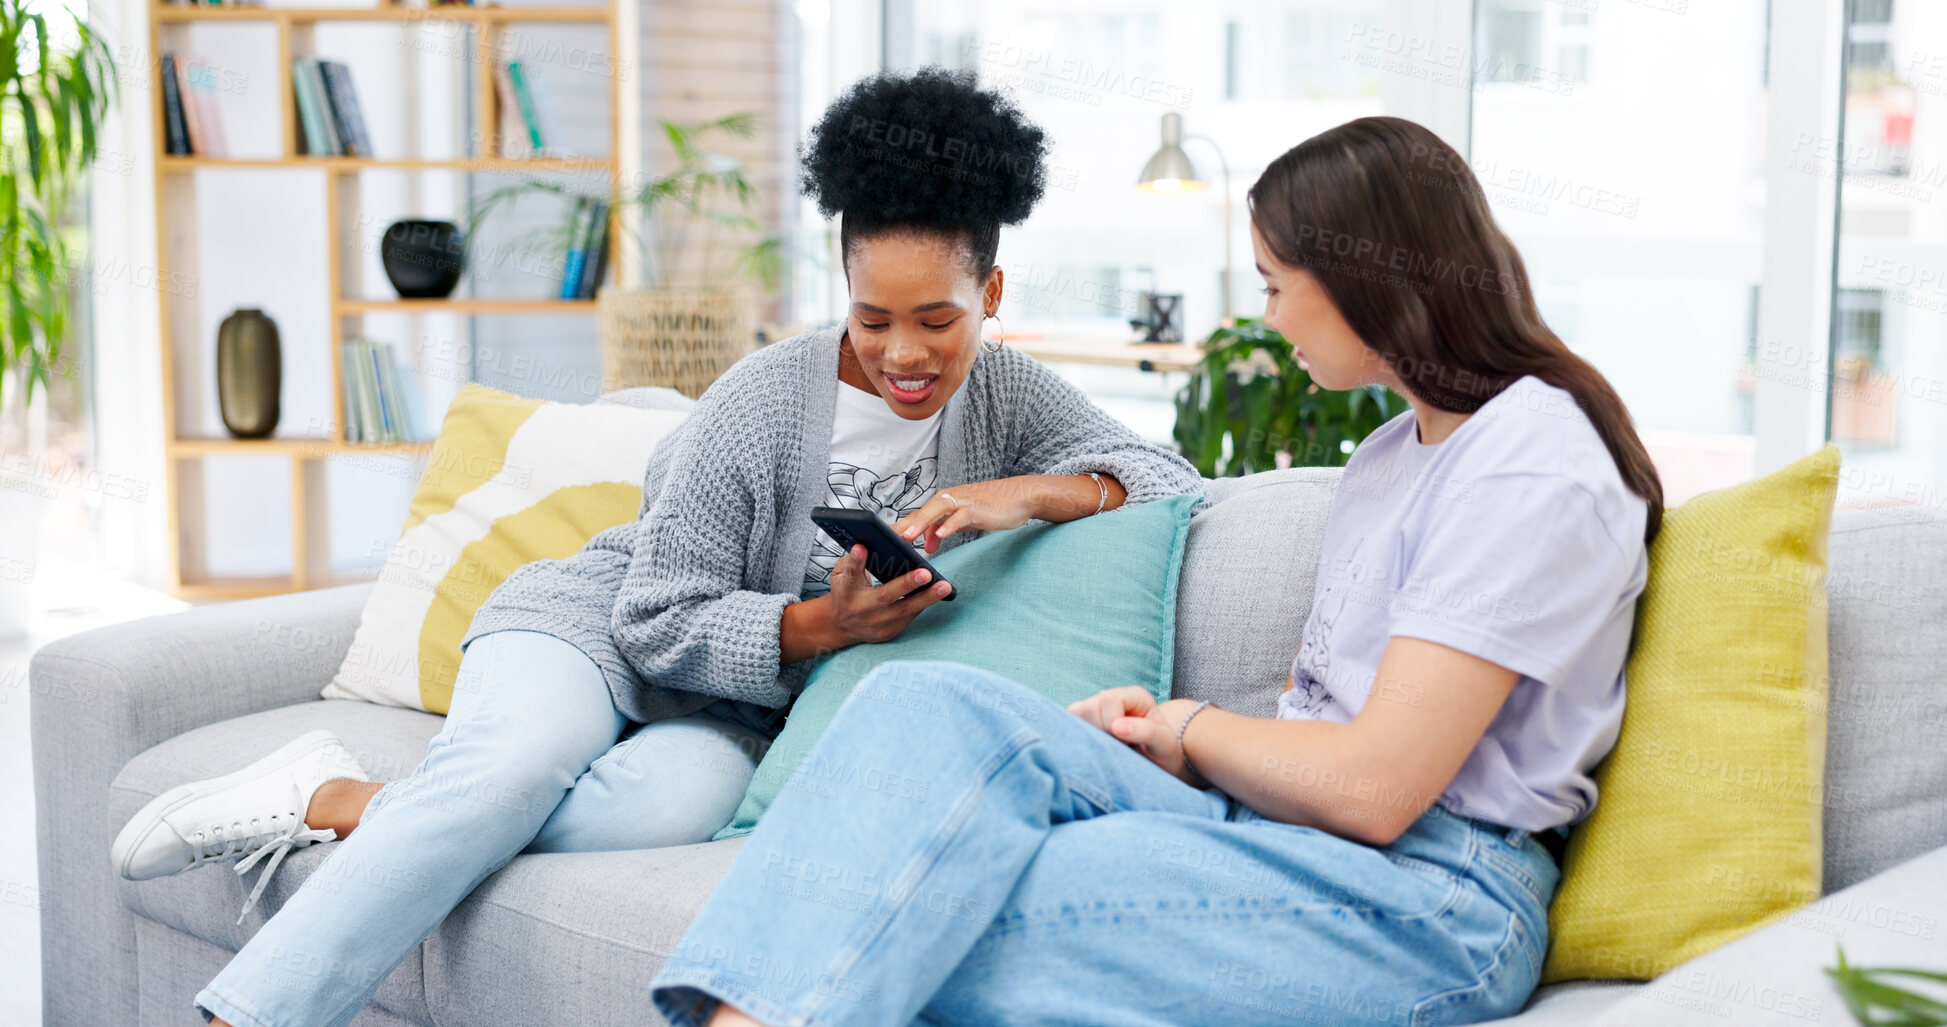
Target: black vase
{"points": [[424, 259], [249, 373]]}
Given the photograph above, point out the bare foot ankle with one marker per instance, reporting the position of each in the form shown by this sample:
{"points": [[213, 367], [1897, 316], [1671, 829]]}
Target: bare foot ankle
{"points": [[339, 804]]}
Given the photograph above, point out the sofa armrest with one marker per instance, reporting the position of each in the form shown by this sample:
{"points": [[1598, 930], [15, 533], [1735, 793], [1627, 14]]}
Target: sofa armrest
{"points": [[98, 698], [1776, 975], [129, 686]]}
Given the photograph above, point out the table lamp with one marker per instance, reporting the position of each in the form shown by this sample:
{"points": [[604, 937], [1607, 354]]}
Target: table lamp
{"points": [[1170, 171]]}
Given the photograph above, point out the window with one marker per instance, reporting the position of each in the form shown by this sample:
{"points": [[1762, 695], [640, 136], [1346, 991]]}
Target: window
{"points": [[1510, 38], [1636, 199], [50, 445], [1230, 60], [1625, 147], [1888, 380], [1523, 40], [1858, 329], [1314, 53], [1099, 79], [1256, 76], [1869, 36]]}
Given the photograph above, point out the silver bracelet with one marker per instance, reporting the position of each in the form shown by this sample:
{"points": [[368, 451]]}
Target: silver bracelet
{"points": [[1180, 728], [1104, 501]]}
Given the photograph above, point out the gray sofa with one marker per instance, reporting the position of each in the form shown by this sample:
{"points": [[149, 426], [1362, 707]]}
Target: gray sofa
{"points": [[124, 712]]}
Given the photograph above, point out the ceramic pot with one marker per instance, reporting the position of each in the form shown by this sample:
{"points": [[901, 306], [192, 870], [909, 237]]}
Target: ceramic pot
{"points": [[249, 373], [424, 259]]}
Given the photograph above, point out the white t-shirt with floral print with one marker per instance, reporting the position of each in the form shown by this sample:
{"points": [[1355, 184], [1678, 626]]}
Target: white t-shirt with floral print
{"points": [[880, 462]]}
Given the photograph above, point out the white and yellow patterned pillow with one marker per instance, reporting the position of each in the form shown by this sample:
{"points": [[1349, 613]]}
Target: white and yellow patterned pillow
{"points": [[509, 481]]}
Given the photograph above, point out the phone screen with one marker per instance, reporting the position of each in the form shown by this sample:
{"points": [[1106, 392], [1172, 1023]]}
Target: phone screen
{"points": [[887, 555]]}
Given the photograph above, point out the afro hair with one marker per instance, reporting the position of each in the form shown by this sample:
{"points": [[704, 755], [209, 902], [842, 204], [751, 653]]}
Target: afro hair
{"points": [[929, 152]]}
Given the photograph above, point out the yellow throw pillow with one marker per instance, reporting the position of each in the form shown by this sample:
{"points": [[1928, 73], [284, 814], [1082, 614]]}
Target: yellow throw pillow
{"points": [[1708, 815], [509, 481]]}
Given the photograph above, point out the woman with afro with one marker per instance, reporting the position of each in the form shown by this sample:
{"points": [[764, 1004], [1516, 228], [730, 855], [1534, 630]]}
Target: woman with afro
{"points": [[700, 619]]}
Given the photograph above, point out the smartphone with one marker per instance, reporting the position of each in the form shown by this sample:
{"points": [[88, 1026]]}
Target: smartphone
{"points": [[887, 555]]}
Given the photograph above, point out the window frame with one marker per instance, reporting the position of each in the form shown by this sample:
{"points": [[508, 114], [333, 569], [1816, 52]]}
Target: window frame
{"points": [[1801, 232]]}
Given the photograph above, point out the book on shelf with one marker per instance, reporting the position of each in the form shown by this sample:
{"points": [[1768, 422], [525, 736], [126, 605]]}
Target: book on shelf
{"points": [[524, 98], [320, 136], [352, 382], [328, 109], [582, 229], [511, 134], [595, 264], [381, 399], [201, 95], [413, 402], [192, 119], [519, 120], [342, 100], [176, 127], [361, 409], [376, 355]]}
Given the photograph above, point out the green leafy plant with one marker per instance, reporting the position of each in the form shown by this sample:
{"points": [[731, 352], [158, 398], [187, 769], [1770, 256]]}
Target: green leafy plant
{"points": [[1877, 1003], [57, 79], [1249, 401], [705, 189]]}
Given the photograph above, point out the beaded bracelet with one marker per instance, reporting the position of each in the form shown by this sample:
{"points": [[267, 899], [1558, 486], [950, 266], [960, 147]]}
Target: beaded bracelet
{"points": [[1180, 728]]}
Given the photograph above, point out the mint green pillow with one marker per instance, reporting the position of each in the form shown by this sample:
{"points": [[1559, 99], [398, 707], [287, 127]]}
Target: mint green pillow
{"points": [[1065, 609]]}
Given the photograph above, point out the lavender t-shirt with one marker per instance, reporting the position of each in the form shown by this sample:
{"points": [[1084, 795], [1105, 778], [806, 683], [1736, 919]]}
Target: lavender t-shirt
{"points": [[1514, 540]]}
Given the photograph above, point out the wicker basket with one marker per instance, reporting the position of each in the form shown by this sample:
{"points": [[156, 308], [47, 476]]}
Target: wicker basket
{"points": [[681, 338]]}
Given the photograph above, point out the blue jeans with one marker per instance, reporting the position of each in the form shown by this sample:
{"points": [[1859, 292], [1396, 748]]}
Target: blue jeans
{"points": [[959, 850], [528, 761]]}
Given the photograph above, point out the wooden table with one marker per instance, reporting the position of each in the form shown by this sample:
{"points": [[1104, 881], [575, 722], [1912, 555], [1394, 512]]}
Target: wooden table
{"points": [[1108, 351]]}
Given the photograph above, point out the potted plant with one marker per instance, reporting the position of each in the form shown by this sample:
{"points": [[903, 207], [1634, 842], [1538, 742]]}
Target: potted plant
{"points": [[57, 78], [680, 325], [1874, 997], [1249, 407]]}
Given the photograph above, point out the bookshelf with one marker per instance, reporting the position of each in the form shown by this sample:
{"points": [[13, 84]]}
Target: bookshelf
{"points": [[176, 234]]}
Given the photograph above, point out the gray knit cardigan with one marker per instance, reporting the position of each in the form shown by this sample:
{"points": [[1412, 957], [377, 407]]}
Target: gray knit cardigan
{"points": [[681, 607]]}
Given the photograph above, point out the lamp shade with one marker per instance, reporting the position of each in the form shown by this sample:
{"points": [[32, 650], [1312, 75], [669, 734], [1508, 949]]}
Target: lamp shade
{"points": [[1170, 169]]}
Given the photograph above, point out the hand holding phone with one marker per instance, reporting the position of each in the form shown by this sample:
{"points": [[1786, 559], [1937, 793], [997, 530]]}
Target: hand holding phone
{"points": [[887, 554]]}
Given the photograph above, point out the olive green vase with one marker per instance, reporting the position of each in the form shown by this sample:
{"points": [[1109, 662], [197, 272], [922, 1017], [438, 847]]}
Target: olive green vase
{"points": [[249, 373]]}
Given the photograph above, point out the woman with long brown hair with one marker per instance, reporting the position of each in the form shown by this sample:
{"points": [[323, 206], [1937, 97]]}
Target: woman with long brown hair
{"points": [[1370, 853]]}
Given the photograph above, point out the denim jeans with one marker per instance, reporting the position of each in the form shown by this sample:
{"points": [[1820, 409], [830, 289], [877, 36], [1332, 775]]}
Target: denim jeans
{"points": [[957, 849], [529, 761]]}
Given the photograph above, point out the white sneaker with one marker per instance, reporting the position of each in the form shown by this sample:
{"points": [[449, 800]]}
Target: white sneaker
{"points": [[257, 810]]}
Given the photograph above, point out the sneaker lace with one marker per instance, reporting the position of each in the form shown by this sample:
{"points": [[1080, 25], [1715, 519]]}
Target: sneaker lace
{"points": [[275, 837]]}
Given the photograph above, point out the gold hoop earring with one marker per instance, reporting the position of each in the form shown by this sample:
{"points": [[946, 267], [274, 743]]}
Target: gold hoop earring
{"points": [[998, 343]]}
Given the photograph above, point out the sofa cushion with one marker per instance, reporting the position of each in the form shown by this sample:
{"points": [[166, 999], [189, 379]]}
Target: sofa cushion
{"points": [[1066, 609], [1246, 585], [203, 903], [559, 938], [571, 938], [1885, 783], [506, 484], [1568, 1004], [1708, 817]]}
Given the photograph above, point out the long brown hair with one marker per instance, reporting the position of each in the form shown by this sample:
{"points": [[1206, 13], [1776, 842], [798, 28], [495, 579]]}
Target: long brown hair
{"points": [[1395, 227]]}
